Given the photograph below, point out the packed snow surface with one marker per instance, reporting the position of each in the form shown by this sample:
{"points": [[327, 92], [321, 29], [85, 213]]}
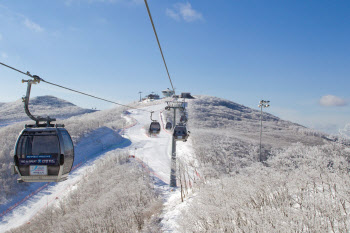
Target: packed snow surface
{"points": [[154, 150]]}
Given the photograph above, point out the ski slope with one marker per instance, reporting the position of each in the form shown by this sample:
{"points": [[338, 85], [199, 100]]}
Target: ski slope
{"points": [[153, 152]]}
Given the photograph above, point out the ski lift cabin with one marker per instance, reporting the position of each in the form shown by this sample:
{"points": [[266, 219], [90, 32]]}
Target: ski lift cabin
{"points": [[181, 133], [154, 128], [168, 125], [168, 92], [183, 118], [43, 154]]}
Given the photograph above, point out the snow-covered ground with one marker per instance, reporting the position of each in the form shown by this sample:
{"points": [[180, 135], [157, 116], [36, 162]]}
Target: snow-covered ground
{"points": [[39, 195], [300, 186], [221, 154], [79, 127], [13, 112], [153, 152]]}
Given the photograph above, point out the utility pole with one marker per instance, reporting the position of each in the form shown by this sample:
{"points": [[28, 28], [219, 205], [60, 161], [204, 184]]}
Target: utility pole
{"points": [[262, 104], [173, 105], [173, 156], [140, 95]]}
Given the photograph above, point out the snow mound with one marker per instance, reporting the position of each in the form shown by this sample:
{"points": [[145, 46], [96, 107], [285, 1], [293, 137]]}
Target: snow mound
{"points": [[231, 119], [39, 106]]}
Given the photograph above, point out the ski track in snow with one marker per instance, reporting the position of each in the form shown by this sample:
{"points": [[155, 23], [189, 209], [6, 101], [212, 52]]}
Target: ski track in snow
{"points": [[153, 153]]}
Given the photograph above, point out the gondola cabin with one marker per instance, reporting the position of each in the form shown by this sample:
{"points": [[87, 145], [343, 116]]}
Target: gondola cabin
{"points": [[183, 118], [154, 128], [181, 133], [168, 125], [43, 154]]}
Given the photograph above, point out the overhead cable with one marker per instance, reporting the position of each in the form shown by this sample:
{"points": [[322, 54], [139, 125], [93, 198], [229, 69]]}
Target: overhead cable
{"points": [[160, 48], [92, 96]]}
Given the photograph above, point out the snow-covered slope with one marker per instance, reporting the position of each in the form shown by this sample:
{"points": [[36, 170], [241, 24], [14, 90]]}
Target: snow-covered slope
{"points": [[244, 123], [301, 185], [79, 127], [94, 135], [226, 134], [39, 106], [121, 198], [225, 186]]}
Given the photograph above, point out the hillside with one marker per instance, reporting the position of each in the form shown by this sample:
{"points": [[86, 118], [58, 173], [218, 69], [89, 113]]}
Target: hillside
{"points": [[301, 184], [39, 106], [226, 134], [215, 113], [90, 133], [95, 135], [119, 197]]}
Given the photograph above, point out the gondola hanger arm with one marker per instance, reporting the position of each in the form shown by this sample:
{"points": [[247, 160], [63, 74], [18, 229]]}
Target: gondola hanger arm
{"points": [[36, 79]]}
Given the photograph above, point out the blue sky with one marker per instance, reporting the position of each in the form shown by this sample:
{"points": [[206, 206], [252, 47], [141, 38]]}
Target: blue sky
{"points": [[294, 53]]}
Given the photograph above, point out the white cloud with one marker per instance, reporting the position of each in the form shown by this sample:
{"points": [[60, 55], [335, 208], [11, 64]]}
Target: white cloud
{"points": [[172, 14], [32, 26], [331, 100], [15, 18], [329, 122], [184, 11]]}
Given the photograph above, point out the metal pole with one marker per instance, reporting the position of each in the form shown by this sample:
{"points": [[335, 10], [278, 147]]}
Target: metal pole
{"points": [[260, 131], [265, 104], [173, 157], [140, 95]]}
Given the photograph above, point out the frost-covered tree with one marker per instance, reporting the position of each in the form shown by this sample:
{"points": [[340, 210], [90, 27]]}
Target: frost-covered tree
{"points": [[78, 126], [302, 185], [115, 196]]}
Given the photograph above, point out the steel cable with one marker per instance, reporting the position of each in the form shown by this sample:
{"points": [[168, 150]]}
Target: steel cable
{"points": [[82, 93], [160, 48]]}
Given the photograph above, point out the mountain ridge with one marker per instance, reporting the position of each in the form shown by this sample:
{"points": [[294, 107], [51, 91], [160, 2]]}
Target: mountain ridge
{"points": [[40, 106]]}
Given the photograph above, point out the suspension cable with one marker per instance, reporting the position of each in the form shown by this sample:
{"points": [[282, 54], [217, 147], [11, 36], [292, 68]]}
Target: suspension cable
{"points": [[160, 48], [92, 96]]}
